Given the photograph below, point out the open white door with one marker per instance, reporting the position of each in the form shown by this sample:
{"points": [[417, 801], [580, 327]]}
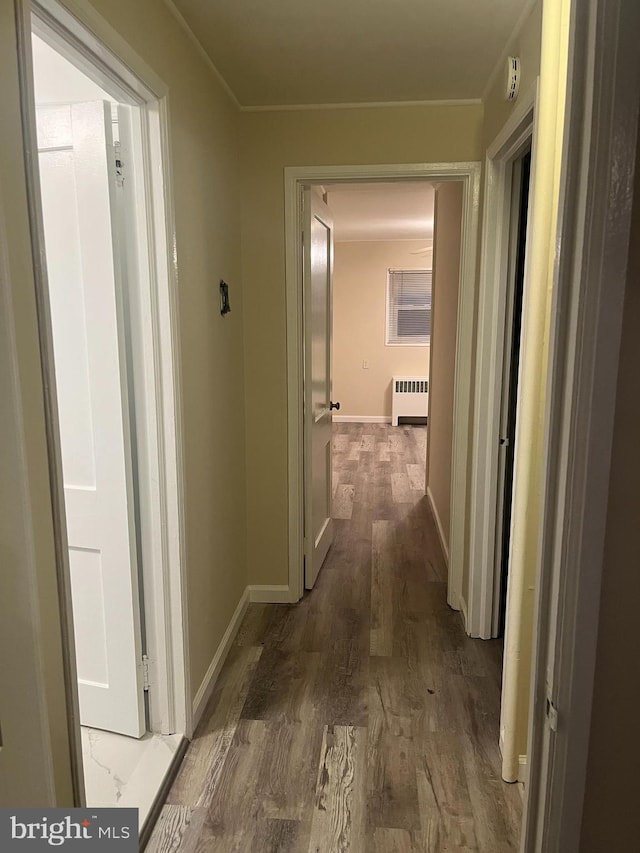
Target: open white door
{"points": [[318, 274], [78, 187]]}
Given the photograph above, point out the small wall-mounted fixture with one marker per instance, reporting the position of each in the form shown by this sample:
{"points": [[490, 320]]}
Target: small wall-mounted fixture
{"points": [[225, 306], [513, 78]]}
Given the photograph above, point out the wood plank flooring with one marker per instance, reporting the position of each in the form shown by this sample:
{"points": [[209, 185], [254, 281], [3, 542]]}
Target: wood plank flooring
{"points": [[362, 719]]}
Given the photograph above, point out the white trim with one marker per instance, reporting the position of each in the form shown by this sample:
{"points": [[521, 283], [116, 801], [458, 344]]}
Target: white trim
{"points": [[21, 629], [443, 541], [492, 297], [361, 419], [105, 48], [162, 361], [432, 172], [177, 14], [259, 108], [590, 282], [463, 389], [360, 105], [213, 671], [294, 178], [83, 35], [269, 593], [45, 339], [509, 47]]}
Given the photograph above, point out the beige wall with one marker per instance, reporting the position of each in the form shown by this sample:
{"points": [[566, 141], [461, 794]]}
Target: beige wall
{"points": [[204, 135], [611, 818], [204, 138], [446, 282], [271, 141], [359, 316]]}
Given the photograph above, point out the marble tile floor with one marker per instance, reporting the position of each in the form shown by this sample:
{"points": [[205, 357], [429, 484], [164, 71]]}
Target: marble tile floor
{"points": [[125, 771]]}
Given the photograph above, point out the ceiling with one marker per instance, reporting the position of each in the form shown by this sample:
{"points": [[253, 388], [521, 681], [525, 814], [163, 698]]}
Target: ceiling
{"points": [[382, 211], [286, 52]]}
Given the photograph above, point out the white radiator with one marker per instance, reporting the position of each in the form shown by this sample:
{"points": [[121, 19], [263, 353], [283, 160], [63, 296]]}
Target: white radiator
{"points": [[409, 397]]}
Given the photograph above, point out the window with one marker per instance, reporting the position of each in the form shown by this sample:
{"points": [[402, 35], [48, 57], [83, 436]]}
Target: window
{"points": [[409, 308]]}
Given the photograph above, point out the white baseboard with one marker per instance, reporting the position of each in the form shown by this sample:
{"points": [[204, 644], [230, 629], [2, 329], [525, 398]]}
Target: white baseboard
{"points": [[269, 594], [361, 419], [206, 688], [441, 536]]}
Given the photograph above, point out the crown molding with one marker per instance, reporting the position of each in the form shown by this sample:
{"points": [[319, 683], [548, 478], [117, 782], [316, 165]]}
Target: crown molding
{"points": [[360, 105], [355, 105]]}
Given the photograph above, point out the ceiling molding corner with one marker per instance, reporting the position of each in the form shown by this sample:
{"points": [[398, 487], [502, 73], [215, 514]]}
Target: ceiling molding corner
{"points": [[177, 14]]}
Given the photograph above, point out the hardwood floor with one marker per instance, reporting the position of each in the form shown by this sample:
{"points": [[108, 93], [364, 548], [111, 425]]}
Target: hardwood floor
{"points": [[362, 719]]}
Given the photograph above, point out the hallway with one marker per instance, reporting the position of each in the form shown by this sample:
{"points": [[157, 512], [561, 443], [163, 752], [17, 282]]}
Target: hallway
{"points": [[363, 718]]}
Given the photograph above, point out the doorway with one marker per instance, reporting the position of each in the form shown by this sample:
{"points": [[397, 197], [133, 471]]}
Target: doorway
{"points": [[104, 280], [77, 150], [503, 288], [492, 378], [296, 178], [509, 403], [368, 292]]}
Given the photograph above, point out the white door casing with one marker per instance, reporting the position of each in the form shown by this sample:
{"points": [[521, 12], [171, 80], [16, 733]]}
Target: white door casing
{"points": [[294, 178], [318, 275], [78, 187], [493, 289], [505, 397]]}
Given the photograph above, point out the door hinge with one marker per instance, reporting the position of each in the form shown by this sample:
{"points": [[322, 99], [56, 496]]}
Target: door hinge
{"points": [[504, 442], [145, 672], [119, 164], [552, 715]]}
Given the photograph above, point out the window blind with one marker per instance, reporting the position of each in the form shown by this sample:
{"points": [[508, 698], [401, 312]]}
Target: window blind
{"points": [[409, 307]]}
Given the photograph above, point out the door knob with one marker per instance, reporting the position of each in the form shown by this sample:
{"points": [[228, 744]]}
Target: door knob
{"points": [[334, 406]]}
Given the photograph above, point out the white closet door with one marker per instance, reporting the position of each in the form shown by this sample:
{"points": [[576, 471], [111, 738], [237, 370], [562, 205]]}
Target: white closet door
{"points": [[78, 184]]}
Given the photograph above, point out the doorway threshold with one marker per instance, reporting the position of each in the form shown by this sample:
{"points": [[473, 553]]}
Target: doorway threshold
{"points": [[124, 771]]}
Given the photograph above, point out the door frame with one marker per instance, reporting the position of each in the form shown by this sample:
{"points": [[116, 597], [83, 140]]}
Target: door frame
{"points": [[295, 177], [27, 734], [590, 279], [518, 132], [77, 30]]}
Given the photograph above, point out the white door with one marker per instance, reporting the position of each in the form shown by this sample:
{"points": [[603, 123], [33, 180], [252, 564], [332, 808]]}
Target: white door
{"points": [[318, 273], [78, 186]]}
